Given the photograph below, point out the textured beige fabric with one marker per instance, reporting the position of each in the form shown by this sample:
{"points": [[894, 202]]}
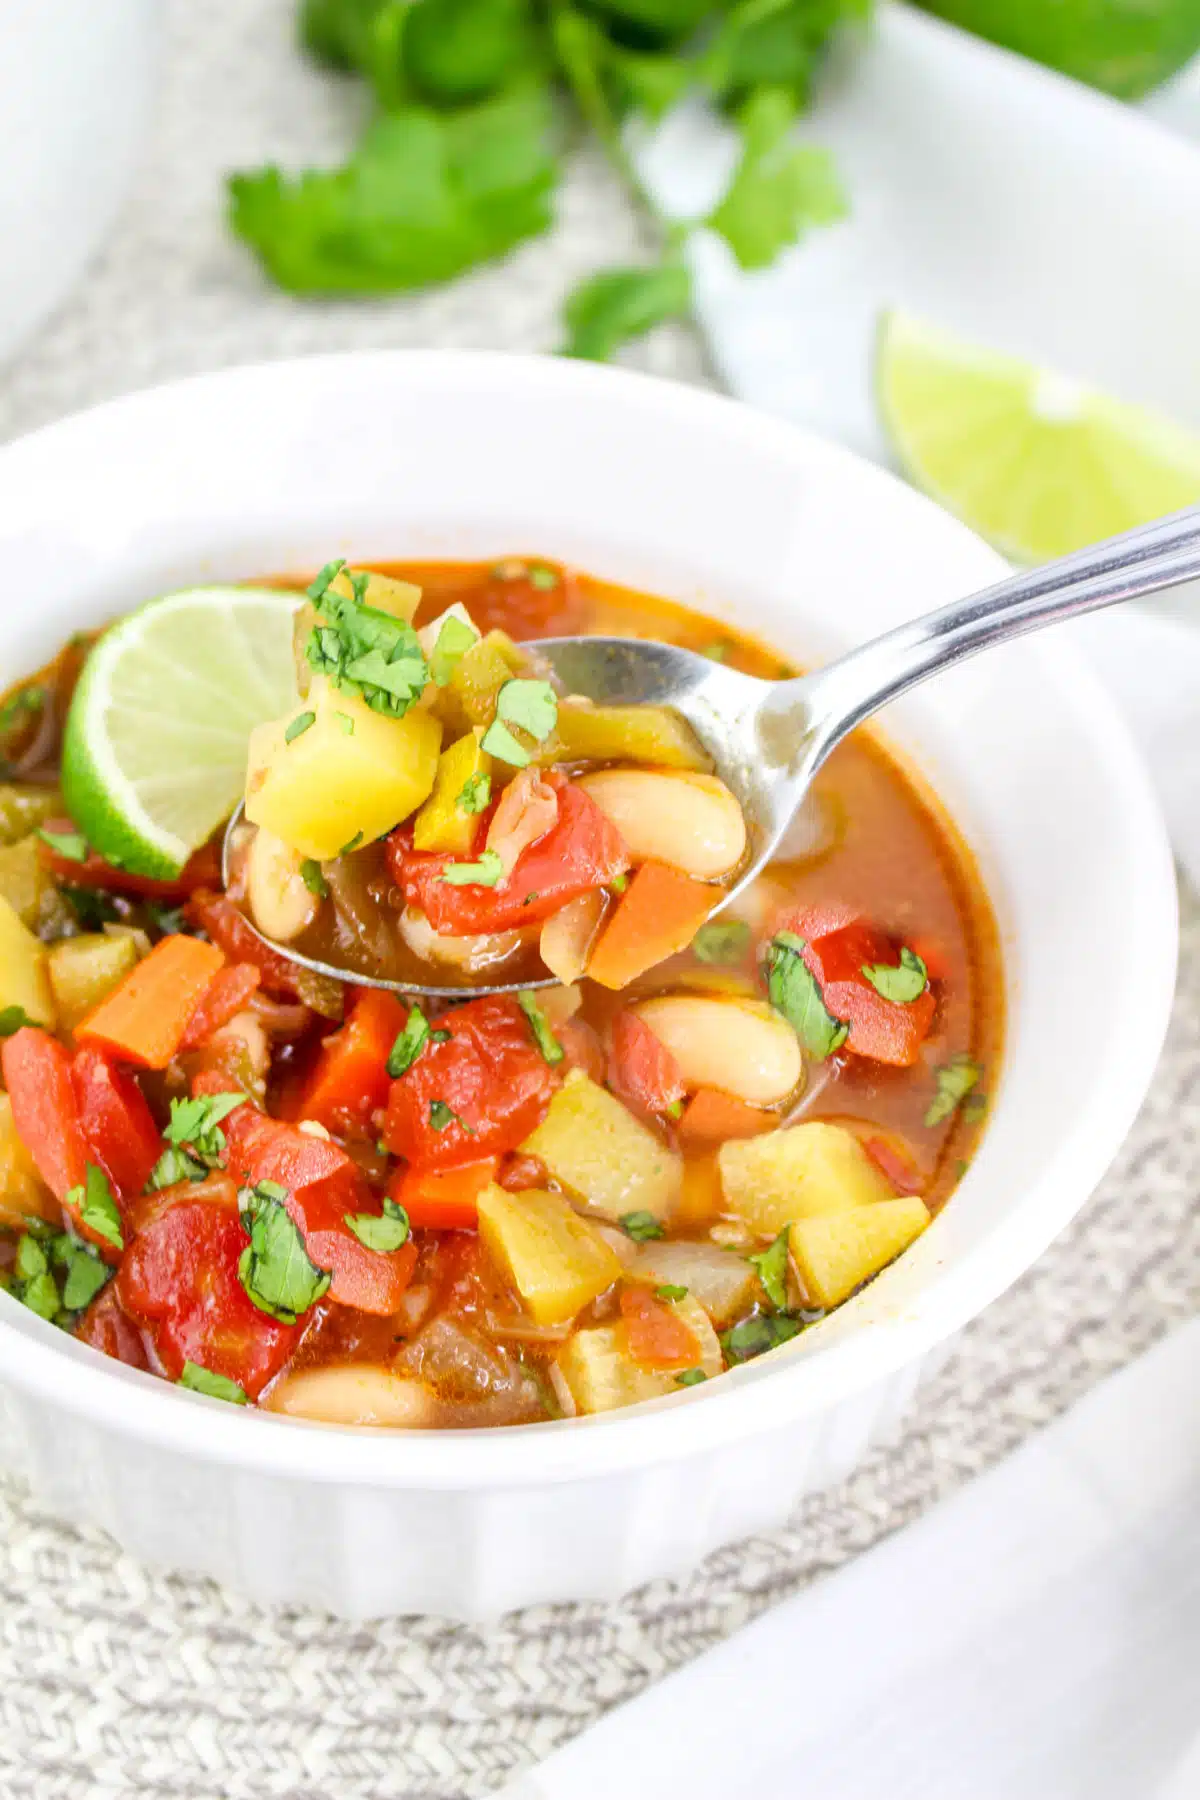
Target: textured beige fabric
{"points": [[114, 1682]]}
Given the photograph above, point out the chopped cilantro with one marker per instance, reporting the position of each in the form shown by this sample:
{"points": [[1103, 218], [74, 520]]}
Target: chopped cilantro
{"points": [[487, 872], [618, 884], [12, 1018], [722, 941], [20, 707], [475, 794], [275, 1268], [175, 1165], [793, 991], [542, 577], [311, 876], [86, 1273], [903, 983], [384, 1231], [543, 1037], [92, 906], [955, 1080], [616, 305], [670, 1291], [217, 1387], [641, 1226], [530, 705], [299, 726], [96, 1207], [30, 1260], [771, 1266], [352, 845], [754, 1336], [675, 1110], [690, 1378], [441, 1115], [362, 650], [410, 1043], [72, 846], [197, 1122], [453, 641]]}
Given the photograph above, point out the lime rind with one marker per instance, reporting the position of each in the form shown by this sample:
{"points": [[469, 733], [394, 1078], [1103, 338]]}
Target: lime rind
{"points": [[1035, 464], [154, 753]]}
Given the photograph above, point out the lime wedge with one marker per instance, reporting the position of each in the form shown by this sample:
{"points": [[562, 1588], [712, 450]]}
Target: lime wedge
{"points": [[1032, 461], [154, 756]]}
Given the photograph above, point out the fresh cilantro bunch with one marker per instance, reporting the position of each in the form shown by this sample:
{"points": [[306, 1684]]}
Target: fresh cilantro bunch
{"points": [[474, 102]]}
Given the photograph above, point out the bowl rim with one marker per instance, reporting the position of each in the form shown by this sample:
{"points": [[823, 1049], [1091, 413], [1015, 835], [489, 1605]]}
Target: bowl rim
{"points": [[756, 1397]]}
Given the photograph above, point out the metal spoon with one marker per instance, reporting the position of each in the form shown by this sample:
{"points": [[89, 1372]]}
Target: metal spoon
{"points": [[767, 739]]}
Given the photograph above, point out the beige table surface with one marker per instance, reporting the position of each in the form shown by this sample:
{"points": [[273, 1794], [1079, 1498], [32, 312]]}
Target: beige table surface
{"points": [[115, 1681]]}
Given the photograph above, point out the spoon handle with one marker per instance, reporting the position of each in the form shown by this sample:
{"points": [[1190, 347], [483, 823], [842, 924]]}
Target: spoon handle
{"points": [[820, 709]]}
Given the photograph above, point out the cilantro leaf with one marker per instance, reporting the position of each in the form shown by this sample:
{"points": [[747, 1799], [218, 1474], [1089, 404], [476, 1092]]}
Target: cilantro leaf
{"points": [[487, 872], [539, 1024], [529, 704], [955, 1080], [618, 305], [690, 1378], [410, 1043], [641, 1226], [794, 992], [93, 908], [779, 189], [461, 50], [86, 1272], [311, 876], [175, 1165], [771, 1266], [755, 1336], [425, 196], [451, 645], [12, 1018], [723, 941], [72, 846], [441, 1115], [777, 41], [903, 983], [475, 794], [364, 651], [40, 1295], [197, 1122], [299, 726], [275, 1268], [384, 1231], [670, 1291], [96, 1207], [217, 1387]]}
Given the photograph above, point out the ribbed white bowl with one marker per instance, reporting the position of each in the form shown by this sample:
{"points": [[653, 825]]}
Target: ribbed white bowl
{"points": [[682, 493]]}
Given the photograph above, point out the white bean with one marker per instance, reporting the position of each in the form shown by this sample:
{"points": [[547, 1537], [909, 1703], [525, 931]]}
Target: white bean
{"points": [[281, 904], [739, 1046], [354, 1394], [567, 935], [690, 821], [468, 953]]}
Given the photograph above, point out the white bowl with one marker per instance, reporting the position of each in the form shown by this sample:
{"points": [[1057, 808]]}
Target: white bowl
{"points": [[76, 81], [455, 454]]}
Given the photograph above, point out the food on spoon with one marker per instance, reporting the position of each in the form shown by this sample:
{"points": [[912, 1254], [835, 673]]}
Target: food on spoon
{"points": [[280, 1188]]}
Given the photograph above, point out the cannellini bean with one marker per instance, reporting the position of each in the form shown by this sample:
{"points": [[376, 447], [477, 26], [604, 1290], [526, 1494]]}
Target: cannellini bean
{"points": [[279, 901], [690, 821], [354, 1394], [739, 1046], [476, 952], [568, 935], [244, 1038]]}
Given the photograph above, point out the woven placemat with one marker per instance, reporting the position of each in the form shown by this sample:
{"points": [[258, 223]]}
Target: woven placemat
{"points": [[118, 1682]]}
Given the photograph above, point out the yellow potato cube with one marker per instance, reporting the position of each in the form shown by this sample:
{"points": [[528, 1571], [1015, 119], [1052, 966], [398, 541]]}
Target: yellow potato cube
{"points": [[556, 1260], [332, 785], [595, 1147], [601, 1375], [836, 1252], [23, 1193], [24, 981], [24, 878], [443, 823], [83, 969], [796, 1173], [399, 598], [638, 734]]}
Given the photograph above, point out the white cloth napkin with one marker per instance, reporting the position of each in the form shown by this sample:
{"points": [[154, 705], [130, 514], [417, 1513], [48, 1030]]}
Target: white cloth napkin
{"points": [[1035, 1638]]}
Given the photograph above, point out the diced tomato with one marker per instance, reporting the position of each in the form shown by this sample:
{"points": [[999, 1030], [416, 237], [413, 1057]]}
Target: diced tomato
{"points": [[887, 1031], [443, 1199], [479, 1092], [106, 1327], [179, 1279], [201, 870], [226, 994], [711, 1117], [640, 1067], [350, 1079], [324, 1188], [815, 921], [117, 1125], [657, 1337], [582, 850], [37, 1074], [519, 1171], [218, 915]]}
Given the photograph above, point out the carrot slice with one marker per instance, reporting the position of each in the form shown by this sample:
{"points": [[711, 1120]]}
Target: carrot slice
{"points": [[659, 914], [350, 1078], [145, 1017], [711, 1117], [444, 1199]]}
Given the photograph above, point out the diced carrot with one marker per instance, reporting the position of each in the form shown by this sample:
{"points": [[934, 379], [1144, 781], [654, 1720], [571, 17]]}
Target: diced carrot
{"points": [[444, 1199], [144, 1018], [658, 915], [226, 994], [711, 1117], [657, 1337], [350, 1078]]}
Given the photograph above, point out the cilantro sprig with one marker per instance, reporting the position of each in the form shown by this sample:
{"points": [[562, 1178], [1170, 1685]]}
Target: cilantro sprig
{"points": [[794, 991], [275, 1268], [362, 650], [472, 106]]}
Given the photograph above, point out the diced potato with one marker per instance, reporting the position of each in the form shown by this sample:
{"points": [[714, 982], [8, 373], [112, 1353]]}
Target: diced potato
{"points": [[796, 1173], [442, 823], [836, 1252], [399, 598], [83, 969], [637, 734], [556, 1260], [330, 786], [24, 806], [595, 1147], [480, 675], [23, 1194], [24, 878], [722, 1283], [601, 1375], [24, 981]]}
